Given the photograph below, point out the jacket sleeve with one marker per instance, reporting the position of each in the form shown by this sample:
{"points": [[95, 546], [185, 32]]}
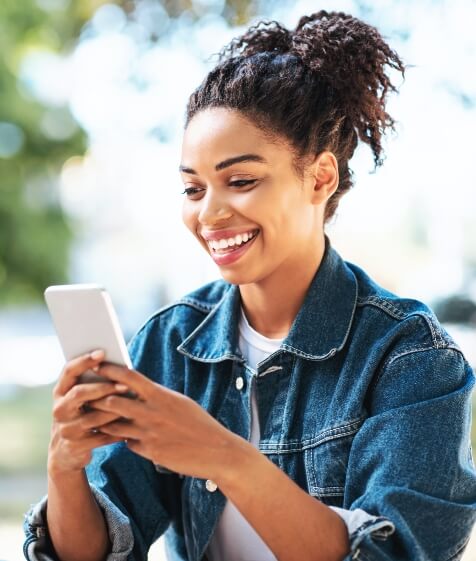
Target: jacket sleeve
{"points": [[38, 546], [411, 464], [137, 500], [356, 518]]}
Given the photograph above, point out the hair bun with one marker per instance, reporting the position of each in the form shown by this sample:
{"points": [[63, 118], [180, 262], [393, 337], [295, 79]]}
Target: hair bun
{"points": [[265, 36], [349, 54]]}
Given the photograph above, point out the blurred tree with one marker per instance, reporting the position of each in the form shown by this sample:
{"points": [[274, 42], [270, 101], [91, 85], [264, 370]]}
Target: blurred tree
{"points": [[35, 235], [235, 12]]}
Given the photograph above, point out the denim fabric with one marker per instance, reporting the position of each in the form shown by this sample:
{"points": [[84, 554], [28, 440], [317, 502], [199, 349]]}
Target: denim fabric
{"points": [[366, 405], [38, 547]]}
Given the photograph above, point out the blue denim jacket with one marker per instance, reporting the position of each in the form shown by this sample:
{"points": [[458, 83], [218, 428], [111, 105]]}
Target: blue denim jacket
{"points": [[366, 405]]}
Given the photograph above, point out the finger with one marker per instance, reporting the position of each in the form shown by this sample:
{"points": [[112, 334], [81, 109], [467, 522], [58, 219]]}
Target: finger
{"points": [[74, 368], [131, 378], [82, 393], [70, 406], [80, 428], [129, 408], [122, 429], [95, 420]]}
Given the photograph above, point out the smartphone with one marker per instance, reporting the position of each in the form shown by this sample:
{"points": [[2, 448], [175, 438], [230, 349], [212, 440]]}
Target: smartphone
{"points": [[84, 319]]}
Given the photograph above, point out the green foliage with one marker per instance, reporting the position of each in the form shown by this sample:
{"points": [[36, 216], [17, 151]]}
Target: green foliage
{"points": [[35, 235], [26, 419]]}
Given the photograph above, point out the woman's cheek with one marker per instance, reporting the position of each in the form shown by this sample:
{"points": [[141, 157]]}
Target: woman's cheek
{"points": [[252, 205], [187, 216]]}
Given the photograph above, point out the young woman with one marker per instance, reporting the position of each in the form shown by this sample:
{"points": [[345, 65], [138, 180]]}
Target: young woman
{"points": [[294, 410]]}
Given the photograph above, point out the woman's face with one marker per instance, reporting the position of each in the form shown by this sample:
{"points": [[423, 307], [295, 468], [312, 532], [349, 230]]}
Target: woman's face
{"points": [[244, 202]]}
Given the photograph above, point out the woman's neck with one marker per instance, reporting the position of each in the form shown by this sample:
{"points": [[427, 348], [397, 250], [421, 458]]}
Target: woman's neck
{"points": [[271, 305]]}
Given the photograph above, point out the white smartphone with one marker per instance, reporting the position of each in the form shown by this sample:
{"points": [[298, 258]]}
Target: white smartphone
{"points": [[85, 320]]}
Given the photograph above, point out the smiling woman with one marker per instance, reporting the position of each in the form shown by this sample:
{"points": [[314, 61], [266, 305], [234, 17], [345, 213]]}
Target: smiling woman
{"points": [[294, 410]]}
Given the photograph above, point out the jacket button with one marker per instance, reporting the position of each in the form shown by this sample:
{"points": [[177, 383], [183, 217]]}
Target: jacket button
{"points": [[239, 383], [211, 486]]}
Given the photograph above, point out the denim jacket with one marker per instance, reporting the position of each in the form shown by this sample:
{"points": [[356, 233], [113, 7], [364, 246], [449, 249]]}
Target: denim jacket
{"points": [[366, 406]]}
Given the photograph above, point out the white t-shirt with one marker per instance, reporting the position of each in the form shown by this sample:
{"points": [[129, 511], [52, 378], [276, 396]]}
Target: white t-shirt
{"points": [[234, 538]]}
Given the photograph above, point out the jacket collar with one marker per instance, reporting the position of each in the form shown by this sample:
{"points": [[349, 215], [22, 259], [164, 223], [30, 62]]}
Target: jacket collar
{"points": [[319, 330], [216, 338]]}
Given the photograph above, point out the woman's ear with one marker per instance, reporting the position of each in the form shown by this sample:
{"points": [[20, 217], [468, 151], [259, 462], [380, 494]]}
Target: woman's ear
{"points": [[325, 176]]}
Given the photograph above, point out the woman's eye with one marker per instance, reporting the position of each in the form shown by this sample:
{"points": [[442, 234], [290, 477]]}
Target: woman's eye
{"points": [[191, 191], [242, 182]]}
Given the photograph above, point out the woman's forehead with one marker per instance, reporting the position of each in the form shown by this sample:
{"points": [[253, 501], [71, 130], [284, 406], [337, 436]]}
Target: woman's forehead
{"points": [[219, 123], [224, 132]]}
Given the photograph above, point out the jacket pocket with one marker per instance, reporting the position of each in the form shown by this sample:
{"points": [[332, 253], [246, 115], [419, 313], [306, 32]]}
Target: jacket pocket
{"points": [[326, 460], [318, 464]]}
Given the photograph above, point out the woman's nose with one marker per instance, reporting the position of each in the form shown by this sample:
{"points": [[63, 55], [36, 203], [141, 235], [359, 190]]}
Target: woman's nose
{"points": [[213, 209]]}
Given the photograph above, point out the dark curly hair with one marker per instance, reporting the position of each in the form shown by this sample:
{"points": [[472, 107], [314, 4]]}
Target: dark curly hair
{"points": [[321, 86]]}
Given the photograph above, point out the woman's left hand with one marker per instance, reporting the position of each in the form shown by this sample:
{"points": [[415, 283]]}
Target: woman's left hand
{"points": [[167, 427]]}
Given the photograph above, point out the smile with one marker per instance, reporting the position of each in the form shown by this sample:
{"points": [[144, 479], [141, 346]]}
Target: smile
{"points": [[230, 250], [226, 244]]}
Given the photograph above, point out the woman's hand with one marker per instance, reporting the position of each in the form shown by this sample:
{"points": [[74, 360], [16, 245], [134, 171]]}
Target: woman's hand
{"points": [[74, 428], [167, 427]]}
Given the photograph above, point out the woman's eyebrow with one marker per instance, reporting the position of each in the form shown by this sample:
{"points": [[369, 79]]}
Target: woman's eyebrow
{"points": [[229, 162]]}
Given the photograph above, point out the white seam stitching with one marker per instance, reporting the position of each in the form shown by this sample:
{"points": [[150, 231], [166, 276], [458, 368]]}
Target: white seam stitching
{"points": [[383, 304], [417, 350], [327, 435]]}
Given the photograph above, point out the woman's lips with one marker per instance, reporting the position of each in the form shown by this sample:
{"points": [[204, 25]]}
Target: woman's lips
{"points": [[233, 254]]}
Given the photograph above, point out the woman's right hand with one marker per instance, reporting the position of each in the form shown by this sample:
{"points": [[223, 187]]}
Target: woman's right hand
{"points": [[74, 431]]}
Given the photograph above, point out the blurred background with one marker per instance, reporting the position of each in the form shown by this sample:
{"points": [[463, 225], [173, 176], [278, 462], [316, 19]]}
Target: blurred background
{"points": [[92, 102]]}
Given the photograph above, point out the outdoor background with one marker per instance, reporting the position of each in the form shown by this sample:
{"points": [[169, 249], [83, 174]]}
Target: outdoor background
{"points": [[92, 101]]}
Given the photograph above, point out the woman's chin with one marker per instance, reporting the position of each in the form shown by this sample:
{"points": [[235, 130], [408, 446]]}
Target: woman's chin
{"points": [[237, 277]]}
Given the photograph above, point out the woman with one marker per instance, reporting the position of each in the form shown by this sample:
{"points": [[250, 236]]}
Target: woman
{"points": [[295, 409]]}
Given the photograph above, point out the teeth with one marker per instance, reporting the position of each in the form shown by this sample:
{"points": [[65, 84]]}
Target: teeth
{"points": [[224, 243]]}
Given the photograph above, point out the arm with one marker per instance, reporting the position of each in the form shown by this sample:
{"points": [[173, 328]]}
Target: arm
{"points": [[73, 528], [70, 499], [286, 518], [136, 504], [76, 526]]}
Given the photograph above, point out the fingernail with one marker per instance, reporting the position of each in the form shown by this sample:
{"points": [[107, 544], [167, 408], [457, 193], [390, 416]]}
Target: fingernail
{"points": [[99, 353], [121, 387]]}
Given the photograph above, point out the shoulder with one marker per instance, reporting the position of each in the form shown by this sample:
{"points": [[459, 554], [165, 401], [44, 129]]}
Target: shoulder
{"points": [[414, 357], [408, 320]]}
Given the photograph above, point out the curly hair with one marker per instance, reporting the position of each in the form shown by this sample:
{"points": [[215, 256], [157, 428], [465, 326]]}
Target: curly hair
{"points": [[321, 86]]}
